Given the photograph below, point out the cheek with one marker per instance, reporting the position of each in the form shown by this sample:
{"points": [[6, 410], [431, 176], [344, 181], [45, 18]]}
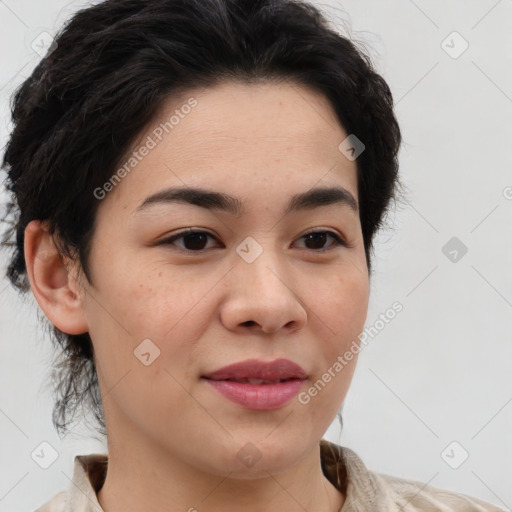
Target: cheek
{"points": [[339, 315], [173, 313], [144, 333], [170, 310], [340, 306], [151, 302]]}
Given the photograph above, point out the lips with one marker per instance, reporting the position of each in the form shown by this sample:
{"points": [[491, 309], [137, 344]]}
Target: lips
{"points": [[253, 371], [255, 381], [258, 385]]}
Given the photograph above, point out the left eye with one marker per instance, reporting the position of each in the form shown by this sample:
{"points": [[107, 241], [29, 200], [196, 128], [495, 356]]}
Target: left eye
{"points": [[195, 240], [319, 237]]}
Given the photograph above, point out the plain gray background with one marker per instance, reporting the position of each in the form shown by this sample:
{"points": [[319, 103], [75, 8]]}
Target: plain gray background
{"points": [[439, 372]]}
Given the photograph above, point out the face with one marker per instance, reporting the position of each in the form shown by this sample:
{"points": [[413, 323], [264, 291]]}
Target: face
{"points": [[166, 309]]}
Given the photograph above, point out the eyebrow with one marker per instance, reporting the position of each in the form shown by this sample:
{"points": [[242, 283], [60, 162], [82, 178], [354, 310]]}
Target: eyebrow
{"points": [[213, 200]]}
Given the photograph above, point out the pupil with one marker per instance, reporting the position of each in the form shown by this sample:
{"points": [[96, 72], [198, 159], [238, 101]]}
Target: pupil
{"points": [[196, 240], [320, 236]]}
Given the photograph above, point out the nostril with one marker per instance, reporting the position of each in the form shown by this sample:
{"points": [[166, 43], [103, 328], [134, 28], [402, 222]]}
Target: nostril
{"points": [[249, 323]]}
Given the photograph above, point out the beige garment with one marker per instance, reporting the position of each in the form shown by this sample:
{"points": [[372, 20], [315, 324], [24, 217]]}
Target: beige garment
{"points": [[365, 491]]}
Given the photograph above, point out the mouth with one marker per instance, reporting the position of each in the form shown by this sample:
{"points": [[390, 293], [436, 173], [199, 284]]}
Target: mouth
{"points": [[254, 370], [258, 385], [254, 382]]}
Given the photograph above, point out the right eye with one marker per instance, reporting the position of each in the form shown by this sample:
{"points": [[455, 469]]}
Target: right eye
{"points": [[194, 240]]}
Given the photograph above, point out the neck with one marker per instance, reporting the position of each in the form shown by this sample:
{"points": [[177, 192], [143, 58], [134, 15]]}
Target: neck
{"points": [[142, 477]]}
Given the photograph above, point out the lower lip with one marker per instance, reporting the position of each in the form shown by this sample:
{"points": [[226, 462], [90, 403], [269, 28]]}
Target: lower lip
{"points": [[261, 397]]}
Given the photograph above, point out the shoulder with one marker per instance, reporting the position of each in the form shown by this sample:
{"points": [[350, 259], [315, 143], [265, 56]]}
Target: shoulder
{"points": [[89, 473], [55, 504], [412, 495], [379, 492]]}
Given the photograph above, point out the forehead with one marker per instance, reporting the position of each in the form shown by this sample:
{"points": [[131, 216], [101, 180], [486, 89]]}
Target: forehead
{"points": [[270, 113], [267, 137]]}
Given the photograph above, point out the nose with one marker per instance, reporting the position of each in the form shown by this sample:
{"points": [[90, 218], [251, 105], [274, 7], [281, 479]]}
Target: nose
{"points": [[263, 297]]}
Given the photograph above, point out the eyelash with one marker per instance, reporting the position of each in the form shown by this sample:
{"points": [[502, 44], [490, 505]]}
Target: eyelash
{"points": [[169, 241]]}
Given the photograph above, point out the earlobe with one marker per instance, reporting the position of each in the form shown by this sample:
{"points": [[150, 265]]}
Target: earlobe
{"points": [[53, 282]]}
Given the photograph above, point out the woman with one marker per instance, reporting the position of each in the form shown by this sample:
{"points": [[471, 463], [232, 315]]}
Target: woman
{"points": [[196, 186]]}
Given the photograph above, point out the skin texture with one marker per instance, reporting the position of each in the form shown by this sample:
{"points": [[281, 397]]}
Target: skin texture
{"points": [[173, 441]]}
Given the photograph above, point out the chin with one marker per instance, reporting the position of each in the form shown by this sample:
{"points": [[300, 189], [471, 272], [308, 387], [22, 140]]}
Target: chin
{"points": [[257, 460]]}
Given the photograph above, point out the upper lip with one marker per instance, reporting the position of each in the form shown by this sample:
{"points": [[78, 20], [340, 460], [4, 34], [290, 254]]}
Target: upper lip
{"points": [[278, 369]]}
